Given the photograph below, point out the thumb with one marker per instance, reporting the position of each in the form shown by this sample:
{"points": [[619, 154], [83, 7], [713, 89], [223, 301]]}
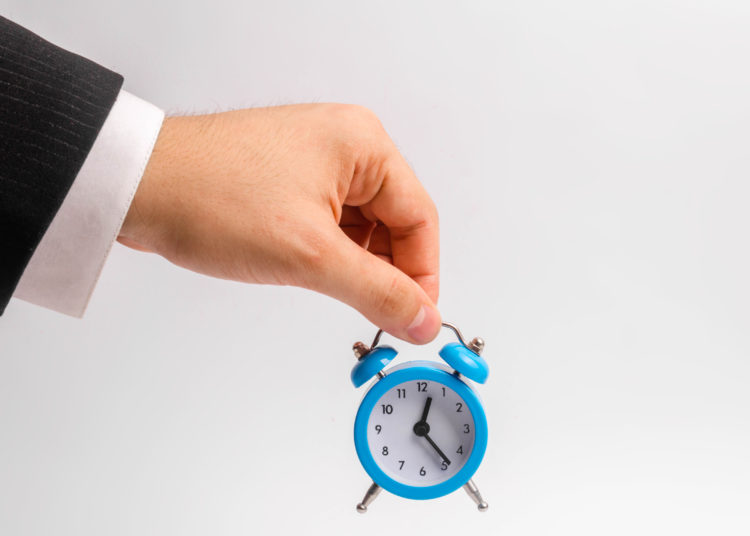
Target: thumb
{"points": [[381, 292]]}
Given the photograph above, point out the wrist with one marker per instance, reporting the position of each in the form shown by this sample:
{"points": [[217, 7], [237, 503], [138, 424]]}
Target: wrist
{"points": [[139, 224]]}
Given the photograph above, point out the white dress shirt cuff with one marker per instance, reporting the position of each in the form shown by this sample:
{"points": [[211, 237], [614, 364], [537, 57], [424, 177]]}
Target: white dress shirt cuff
{"points": [[65, 267]]}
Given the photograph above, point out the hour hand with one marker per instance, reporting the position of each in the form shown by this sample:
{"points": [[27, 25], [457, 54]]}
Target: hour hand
{"points": [[426, 410]]}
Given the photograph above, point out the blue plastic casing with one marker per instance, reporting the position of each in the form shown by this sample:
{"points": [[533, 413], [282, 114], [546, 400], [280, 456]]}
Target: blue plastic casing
{"points": [[371, 364], [460, 358], [428, 371]]}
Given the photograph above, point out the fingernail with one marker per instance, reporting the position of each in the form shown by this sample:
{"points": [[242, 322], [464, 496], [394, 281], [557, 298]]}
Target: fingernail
{"points": [[425, 325]]}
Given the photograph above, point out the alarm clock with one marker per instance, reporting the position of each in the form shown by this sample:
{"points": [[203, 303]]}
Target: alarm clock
{"points": [[421, 430]]}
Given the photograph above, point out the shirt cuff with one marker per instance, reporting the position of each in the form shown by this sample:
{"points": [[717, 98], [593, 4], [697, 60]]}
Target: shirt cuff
{"points": [[65, 267]]}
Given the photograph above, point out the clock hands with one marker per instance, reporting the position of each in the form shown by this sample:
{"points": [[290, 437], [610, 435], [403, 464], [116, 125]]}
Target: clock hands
{"points": [[422, 429]]}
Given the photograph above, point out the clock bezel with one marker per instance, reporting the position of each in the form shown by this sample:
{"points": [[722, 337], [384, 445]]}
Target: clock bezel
{"points": [[427, 371]]}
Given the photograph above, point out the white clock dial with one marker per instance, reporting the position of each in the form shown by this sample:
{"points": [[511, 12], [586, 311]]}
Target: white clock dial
{"points": [[407, 450]]}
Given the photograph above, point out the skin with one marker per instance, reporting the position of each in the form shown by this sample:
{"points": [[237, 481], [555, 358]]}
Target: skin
{"points": [[312, 195]]}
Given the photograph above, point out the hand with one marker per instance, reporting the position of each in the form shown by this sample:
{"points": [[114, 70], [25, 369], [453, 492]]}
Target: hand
{"points": [[315, 196]]}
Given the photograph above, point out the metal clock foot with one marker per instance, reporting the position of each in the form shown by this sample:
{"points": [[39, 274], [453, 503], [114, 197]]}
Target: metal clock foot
{"points": [[372, 492], [473, 492]]}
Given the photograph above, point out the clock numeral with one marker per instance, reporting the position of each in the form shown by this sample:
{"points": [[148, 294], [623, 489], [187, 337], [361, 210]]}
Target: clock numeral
{"points": [[422, 472], [401, 393], [385, 451], [443, 391], [402, 464], [467, 429], [443, 466], [459, 405], [387, 408], [378, 428], [421, 386], [460, 450]]}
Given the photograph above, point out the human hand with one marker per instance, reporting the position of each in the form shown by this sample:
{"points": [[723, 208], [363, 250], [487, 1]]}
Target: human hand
{"points": [[312, 195]]}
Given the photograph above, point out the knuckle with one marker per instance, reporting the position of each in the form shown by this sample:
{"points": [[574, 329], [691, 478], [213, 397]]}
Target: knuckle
{"points": [[431, 217], [369, 117], [362, 112], [359, 117], [435, 215], [352, 130]]}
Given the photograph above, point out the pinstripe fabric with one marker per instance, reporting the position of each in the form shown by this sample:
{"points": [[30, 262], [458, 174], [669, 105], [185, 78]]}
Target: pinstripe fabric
{"points": [[52, 105]]}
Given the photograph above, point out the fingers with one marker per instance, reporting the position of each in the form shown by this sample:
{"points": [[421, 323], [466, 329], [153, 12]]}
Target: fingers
{"points": [[380, 243], [388, 191], [356, 226], [384, 294]]}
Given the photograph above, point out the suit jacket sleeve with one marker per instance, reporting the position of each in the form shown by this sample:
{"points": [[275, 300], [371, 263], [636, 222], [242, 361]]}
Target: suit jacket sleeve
{"points": [[52, 105]]}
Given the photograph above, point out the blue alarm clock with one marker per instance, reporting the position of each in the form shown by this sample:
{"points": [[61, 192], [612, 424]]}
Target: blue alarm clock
{"points": [[421, 431]]}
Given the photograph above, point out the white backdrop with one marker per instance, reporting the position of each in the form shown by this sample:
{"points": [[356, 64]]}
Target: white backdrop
{"points": [[590, 163]]}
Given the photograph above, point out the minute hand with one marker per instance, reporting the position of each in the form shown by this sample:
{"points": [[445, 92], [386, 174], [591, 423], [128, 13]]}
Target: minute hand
{"points": [[442, 455]]}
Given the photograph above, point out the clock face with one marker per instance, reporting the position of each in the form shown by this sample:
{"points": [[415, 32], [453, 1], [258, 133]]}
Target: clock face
{"points": [[420, 433]]}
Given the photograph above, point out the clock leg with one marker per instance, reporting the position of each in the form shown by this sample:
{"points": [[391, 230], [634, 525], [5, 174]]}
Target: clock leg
{"points": [[372, 492], [473, 492]]}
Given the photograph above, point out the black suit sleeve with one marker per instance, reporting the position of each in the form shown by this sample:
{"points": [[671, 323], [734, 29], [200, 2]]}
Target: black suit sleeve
{"points": [[52, 105]]}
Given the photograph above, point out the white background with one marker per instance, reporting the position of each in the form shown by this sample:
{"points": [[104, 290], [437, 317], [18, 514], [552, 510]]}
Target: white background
{"points": [[590, 162]]}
